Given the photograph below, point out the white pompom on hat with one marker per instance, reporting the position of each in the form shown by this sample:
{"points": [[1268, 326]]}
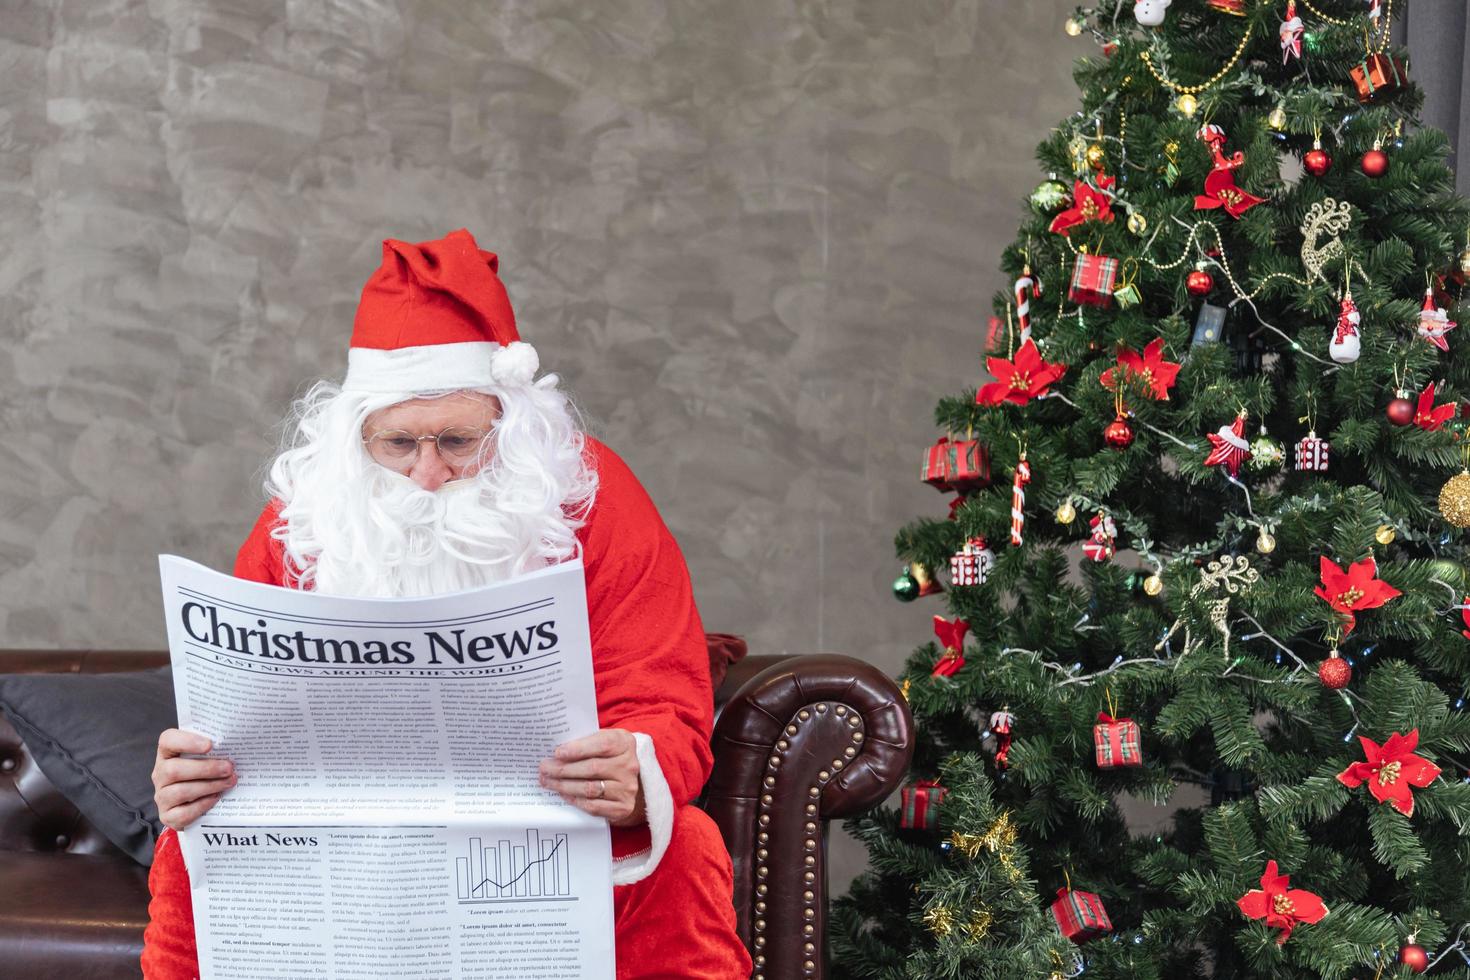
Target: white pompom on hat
{"points": [[435, 317]]}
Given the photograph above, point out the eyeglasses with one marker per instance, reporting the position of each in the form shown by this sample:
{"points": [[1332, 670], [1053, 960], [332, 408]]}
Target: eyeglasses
{"points": [[398, 450]]}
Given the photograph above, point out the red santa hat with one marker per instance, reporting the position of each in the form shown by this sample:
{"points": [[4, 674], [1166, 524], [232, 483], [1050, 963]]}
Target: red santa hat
{"points": [[435, 317]]}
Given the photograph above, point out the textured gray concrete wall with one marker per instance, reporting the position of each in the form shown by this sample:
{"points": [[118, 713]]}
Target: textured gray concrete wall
{"points": [[757, 239]]}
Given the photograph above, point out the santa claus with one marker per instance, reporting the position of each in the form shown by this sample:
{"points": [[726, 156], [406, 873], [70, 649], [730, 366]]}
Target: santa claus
{"points": [[441, 463]]}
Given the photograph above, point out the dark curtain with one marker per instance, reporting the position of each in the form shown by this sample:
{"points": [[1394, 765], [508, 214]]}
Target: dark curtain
{"points": [[1435, 31]]}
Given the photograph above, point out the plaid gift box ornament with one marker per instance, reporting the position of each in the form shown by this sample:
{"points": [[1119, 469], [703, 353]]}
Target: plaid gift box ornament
{"points": [[972, 564], [1093, 279], [1080, 915], [919, 804], [960, 465], [1117, 741], [1379, 75], [1311, 453]]}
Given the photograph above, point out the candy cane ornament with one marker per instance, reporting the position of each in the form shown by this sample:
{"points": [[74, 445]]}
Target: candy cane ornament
{"points": [[1018, 498], [1027, 289]]}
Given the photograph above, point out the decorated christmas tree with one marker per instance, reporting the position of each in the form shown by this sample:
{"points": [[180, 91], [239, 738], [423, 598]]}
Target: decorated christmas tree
{"points": [[1204, 565]]}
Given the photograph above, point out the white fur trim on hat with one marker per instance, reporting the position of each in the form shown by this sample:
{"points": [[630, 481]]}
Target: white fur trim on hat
{"points": [[439, 367]]}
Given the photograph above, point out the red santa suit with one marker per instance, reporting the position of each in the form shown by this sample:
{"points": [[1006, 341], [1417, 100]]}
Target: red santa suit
{"points": [[435, 316], [672, 903]]}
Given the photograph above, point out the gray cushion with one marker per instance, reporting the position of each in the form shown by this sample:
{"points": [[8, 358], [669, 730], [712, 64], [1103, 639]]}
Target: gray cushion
{"points": [[95, 737]]}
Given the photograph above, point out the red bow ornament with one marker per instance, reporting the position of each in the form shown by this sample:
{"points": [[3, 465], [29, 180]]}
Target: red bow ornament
{"points": [[1429, 416], [1354, 590], [1020, 380], [952, 638], [1155, 374], [1087, 205], [1282, 907], [1391, 771]]}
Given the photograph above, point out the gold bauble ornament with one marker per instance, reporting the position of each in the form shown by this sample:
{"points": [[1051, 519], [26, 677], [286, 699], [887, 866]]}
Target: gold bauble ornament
{"points": [[1465, 261], [1153, 585], [1066, 513], [1385, 534], [1277, 118], [1072, 26], [1266, 543], [1187, 104], [1454, 499], [1137, 223], [1096, 156]]}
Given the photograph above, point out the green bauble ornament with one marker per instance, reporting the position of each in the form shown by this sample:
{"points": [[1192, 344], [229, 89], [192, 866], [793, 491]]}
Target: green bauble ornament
{"points": [[1266, 453], [905, 587], [1049, 195]]}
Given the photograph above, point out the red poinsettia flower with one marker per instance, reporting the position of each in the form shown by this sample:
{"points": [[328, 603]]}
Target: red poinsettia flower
{"points": [[952, 638], [1021, 380], [1392, 771], [1357, 588], [1282, 907], [1429, 416], [1087, 205], [1221, 191], [1150, 368]]}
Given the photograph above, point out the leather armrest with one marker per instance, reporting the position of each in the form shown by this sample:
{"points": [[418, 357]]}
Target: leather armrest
{"points": [[805, 740]]}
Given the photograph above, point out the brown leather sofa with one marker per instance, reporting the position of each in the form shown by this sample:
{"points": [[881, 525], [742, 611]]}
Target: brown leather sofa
{"points": [[798, 741]]}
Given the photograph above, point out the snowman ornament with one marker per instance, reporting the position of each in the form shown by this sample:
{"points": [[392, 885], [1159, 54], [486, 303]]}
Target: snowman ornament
{"points": [[1346, 342], [1150, 13]]}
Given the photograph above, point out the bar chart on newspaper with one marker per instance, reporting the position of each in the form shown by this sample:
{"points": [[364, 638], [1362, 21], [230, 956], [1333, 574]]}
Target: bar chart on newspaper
{"points": [[529, 866]]}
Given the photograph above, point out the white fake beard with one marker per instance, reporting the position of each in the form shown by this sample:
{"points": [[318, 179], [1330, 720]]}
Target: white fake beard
{"points": [[354, 528]]}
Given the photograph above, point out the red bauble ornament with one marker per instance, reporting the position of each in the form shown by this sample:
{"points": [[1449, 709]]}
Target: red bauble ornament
{"points": [[1118, 434], [1335, 673], [1414, 957], [1199, 283], [1401, 410], [1374, 163], [1316, 161]]}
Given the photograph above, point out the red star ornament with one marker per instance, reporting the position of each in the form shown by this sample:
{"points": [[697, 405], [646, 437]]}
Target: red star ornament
{"points": [[952, 638], [1020, 380], [1354, 590], [1434, 322], [1156, 374], [1429, 416], [1087, 205], [1281, 906], [1391, 771], [1231, 448]]}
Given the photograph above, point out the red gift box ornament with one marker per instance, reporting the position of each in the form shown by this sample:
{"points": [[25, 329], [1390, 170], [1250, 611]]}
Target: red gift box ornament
{"points": [[1093, 279], [972, 564], [952, 640], [919, 805], [1117, 742], [936, 466], [959, 465], [1312, 452], [1379, 75], [1080, 915]]}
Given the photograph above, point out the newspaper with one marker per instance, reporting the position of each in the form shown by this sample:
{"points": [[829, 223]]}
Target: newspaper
{"points": [[388, 820]]}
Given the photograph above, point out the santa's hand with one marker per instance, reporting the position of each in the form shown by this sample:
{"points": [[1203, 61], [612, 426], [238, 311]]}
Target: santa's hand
{"points": [[599, 774], [185, 789]]}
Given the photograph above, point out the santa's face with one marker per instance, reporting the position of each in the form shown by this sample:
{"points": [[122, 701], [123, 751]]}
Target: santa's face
{"points": [[459, 490], [432, 440]]}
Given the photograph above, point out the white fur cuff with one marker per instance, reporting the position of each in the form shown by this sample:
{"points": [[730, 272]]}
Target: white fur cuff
{"points": [[440, 367], [658, 802]]}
